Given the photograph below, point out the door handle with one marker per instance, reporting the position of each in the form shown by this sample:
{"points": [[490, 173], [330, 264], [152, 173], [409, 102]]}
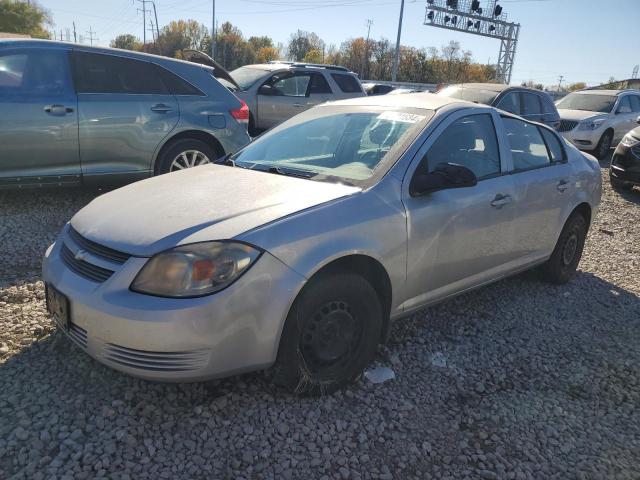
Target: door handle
{"points": [[562, 185], [161, 108], [501, 200], [58, 110]]}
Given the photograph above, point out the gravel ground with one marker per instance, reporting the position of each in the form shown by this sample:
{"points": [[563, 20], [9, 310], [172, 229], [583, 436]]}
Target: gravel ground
{"points": [[519, 380]]}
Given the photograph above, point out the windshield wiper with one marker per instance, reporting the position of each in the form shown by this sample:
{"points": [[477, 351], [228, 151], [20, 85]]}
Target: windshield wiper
{"points": [[288, 173]]}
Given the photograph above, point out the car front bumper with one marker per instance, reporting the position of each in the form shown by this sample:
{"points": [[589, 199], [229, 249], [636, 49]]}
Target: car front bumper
{"points": [[584, 139], [164, 339], [625, 164]]}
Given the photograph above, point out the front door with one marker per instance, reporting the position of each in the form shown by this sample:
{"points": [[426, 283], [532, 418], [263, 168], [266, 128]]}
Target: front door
{"points": [[283, 96], [125, 112], [38, 125], [459, 238]]}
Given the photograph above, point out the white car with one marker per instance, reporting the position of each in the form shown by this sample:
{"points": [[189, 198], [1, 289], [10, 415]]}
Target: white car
{"points": [[595, 120]]}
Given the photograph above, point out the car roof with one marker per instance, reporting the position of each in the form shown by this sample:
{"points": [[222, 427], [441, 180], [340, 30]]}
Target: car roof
{"points": [[493, 87], [28, 42], [284, 65], [424, 100], [602, 92]]}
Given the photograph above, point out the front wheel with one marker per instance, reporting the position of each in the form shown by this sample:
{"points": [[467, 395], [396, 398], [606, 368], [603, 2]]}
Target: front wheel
{"points": [[183, 154], [561, 266], [604, 145], [330, 335]]}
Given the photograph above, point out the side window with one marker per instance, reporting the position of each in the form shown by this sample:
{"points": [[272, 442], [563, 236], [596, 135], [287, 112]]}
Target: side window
{"points": [[98, 73], [290, 85], [528, 149], [553, 144], [510, 103], [531, 104], [319, 85], [624, 106], [547, 104], [44, 72], [469, 141], [347, 83], [176, 85], [635, 103]]}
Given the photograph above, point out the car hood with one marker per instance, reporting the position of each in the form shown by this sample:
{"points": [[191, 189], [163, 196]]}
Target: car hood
{"points": [[211, 202], [578, 115]]}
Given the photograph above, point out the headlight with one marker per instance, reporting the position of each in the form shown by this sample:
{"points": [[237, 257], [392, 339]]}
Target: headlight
{"points": [[590, 124], [629, 141], [195, 270]]}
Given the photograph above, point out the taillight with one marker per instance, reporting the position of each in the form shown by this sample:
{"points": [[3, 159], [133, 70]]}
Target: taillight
{"points": [[241, 114]]}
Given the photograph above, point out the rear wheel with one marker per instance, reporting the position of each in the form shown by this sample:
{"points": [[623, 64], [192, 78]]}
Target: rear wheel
{"points": [[604, 145], [561, 266], [183, 154], [330, 335]]}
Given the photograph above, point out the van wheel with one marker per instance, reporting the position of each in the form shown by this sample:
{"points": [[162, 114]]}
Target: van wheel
{"points": [[561, 266], [330, 335], [183, 154], [604, 145]]}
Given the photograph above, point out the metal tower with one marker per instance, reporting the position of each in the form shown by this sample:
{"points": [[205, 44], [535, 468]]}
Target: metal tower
{"points": [[469, 17]]}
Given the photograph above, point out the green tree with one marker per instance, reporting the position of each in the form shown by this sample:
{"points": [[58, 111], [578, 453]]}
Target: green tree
{"points": [[301, 43], [26, 18], [180, 35], [126, 42], [576, 86]]}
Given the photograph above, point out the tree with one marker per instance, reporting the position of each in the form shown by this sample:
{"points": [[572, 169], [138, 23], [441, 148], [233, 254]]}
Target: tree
{"points": [[126, 42], [576, 86], [267, 54], [180, 35], [313, 56], [27, 18], [301, 43]]}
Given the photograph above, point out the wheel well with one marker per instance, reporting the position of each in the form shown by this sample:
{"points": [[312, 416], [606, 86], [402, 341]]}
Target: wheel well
{"points": [[373, 271], [192, 134], [583, 209]]}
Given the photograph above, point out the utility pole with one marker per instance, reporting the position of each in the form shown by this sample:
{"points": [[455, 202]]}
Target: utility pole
{"points": [[560, 78], [365, 57], [144, 20], [213, 29], [75, 35], [396, 59], [155, 14], [91, 37], [153, 31]]}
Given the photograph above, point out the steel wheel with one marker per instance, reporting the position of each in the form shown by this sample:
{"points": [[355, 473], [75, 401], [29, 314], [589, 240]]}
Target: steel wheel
{"points": [[188, 159], [570, 248]]}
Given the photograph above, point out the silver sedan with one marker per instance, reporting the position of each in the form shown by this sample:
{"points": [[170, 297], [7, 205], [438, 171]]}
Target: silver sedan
{"points": [[301, 249]]}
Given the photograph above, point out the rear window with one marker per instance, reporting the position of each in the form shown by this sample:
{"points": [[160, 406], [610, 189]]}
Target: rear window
{"points": [[176, 85], [347, 83], [98, 73], [476, 95]]}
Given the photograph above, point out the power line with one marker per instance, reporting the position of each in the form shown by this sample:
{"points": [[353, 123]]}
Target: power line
{"points": [[144, 19], [91, 35]]}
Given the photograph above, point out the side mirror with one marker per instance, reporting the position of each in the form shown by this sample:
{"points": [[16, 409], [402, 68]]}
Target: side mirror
{"points": [[444, 176], [265, 90]]}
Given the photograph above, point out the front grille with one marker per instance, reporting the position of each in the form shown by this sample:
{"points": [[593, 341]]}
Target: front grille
{"points": [[78, 335], [636, 151], [82, 268], [567, 125], [155, 361], [96, 249]]}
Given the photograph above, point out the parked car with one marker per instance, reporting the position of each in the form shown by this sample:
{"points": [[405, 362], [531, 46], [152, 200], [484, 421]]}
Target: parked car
{"points": [[276, 91], [373, 89], [315, 236], [624, 171], [74, 114], [529, 103], [594, 120]]}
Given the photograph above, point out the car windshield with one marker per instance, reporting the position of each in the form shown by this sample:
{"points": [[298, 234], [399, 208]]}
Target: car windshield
{"points": [[588, 102], [476, 95], [247, 76], [327, 144]]}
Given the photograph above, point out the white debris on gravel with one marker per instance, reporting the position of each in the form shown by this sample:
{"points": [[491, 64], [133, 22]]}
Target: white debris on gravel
{"points": [[379, 374], [545, 386]]}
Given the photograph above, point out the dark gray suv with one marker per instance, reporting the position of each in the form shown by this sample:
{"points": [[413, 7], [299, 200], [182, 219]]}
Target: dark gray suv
{"points": [[529, 103], [73, 114]]}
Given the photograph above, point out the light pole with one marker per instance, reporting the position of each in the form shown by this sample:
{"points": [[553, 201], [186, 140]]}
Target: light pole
{"points": [[396, 59], [213, 30]]}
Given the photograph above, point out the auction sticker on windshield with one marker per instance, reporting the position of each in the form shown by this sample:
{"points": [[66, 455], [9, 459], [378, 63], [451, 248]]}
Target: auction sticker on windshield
{"points": [[401, 117]]}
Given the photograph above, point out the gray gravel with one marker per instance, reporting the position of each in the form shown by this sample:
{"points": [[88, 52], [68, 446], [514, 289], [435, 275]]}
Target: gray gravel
{"points": [[519, 380]]}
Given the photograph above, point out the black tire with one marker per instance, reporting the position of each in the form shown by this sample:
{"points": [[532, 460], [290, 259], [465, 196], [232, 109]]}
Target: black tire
{"points": [[561, 266], [619, 184], [175, 148], [330, 335], [604, 145]]}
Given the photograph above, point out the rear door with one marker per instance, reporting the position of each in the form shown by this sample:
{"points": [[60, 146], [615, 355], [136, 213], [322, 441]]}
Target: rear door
{"points": [[125, 111], [543, 183], [282, 96], [38, 124], [531, 106], [319, 90]]}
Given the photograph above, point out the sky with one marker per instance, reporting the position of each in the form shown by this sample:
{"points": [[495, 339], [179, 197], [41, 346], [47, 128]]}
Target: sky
{"points": [[582, 40]]}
